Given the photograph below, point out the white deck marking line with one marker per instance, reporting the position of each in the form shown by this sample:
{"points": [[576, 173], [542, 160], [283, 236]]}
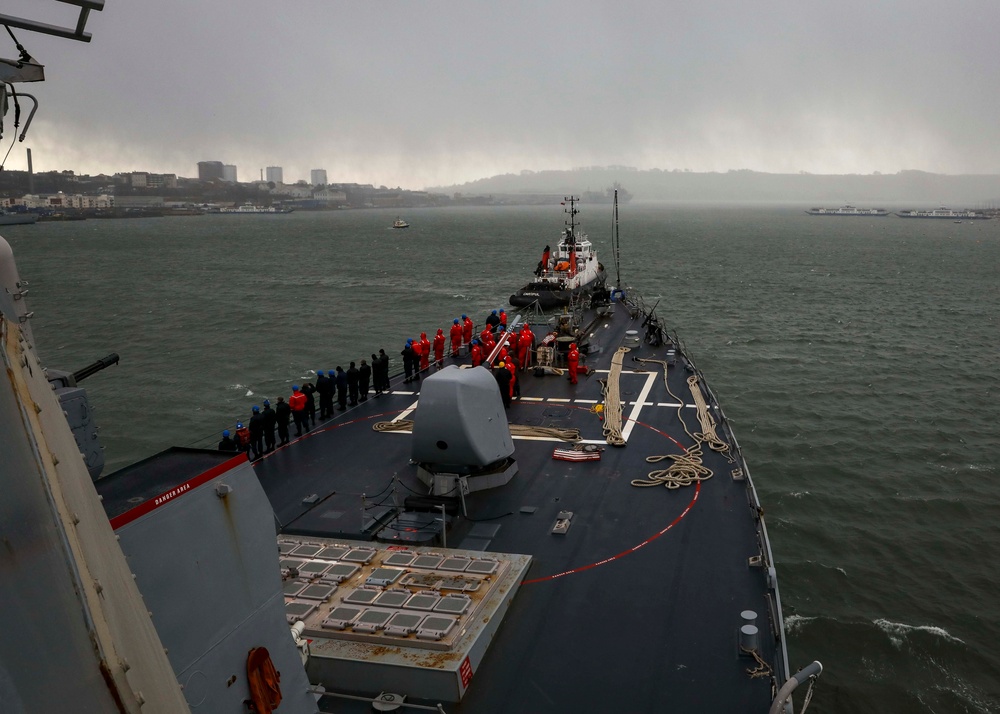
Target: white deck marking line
{"points": [[406, 412], [395, 391], [586, 401], [532, 399], [651, 378], [560, 399]]}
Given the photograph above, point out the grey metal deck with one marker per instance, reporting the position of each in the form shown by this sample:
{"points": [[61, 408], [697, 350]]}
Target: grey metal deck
{"points": [[637, 606]]}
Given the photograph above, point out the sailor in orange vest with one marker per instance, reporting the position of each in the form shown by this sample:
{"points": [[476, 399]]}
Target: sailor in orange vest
{"points": [[425, 352], [243, 438], [456, 337], [467, 328], [439, 347], [525, 344], [298, 404], [476, 352], [573, 360]]}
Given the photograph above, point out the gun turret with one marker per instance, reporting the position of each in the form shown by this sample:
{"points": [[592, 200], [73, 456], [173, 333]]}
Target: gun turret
{"points": [[79, 413], [95, 367]]}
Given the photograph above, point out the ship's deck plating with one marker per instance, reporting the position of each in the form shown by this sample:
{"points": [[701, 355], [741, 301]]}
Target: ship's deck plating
{"points": [[639, 603]]}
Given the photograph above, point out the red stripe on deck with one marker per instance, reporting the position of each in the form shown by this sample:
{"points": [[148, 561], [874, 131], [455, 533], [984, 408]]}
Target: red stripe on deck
{"points": [[167, 496]]}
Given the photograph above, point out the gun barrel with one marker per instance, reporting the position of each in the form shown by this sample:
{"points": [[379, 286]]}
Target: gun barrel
{"points": [[96, 367]]}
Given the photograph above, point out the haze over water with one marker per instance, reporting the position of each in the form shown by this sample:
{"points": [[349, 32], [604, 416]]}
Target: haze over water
{"points": [[855, 357]]}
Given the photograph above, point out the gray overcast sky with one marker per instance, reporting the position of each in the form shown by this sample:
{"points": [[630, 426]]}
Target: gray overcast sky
{"points": [[413, 94]]}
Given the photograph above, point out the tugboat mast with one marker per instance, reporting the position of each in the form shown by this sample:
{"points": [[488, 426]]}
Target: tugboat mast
{"points": [[572, 211]]}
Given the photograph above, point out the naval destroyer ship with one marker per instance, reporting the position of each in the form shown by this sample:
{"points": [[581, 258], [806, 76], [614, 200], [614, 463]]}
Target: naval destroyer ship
{"points": [[597, 545]]}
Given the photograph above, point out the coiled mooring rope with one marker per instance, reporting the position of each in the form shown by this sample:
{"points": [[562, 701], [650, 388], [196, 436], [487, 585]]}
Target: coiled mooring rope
{"points": [[612, 401], [687, 468]]}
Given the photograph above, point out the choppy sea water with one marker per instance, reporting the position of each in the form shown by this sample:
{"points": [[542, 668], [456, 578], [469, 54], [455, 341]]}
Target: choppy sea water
{"points": [[857, 359]]}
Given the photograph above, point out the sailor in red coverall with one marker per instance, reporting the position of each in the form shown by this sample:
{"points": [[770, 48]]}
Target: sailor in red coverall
{"points": [[477, 353], [487, 339], [425, 352], [503, 320], [456, 337], [467, 329], [439, 347], [525, 343], [573, 360], [515, 384]]}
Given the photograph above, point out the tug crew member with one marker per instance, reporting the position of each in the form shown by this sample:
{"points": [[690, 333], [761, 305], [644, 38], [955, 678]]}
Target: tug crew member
{"points": [[439, 347], [228, 443], [297, 402], [456, 337]]}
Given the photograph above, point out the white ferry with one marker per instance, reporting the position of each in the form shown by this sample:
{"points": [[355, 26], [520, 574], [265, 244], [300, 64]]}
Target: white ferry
{"points": [[943, 213], [847, 211]]}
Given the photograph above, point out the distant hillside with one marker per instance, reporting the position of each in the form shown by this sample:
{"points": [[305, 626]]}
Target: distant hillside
{"points": [[916, 188]]}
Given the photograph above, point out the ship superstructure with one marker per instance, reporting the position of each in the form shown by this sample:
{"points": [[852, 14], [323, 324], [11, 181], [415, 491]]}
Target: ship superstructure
{"points": [[847, 211]]}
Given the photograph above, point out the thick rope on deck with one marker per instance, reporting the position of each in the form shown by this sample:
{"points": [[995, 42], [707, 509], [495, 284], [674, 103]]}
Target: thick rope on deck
{"points": [[707, 433], [687, 468], [612, 401], [549, 432]]}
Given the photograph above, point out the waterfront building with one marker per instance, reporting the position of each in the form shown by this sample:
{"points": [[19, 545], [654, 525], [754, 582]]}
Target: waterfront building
{"points": [[275, 174]]}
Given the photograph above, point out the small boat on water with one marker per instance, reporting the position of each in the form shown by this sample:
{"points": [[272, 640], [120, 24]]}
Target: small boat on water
{"points": [[571, 270], [400, 223]]}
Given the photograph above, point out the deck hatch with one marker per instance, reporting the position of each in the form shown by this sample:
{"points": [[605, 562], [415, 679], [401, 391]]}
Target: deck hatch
{"points": [[296, 610], [403, 623], [371, 620], [313, 568], [434, 627], [307, 550], [454, 604], [341, 617], [318, 591], [332, 552], [362, 596], [392, 598], [339, 572], [400, 559], [360, 555], [422, 601], [427, 561], [384, 576]]}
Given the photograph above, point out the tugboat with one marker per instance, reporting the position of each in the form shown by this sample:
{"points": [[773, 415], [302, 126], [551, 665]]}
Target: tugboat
{"points": [[571, 271], [400, 223]]}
